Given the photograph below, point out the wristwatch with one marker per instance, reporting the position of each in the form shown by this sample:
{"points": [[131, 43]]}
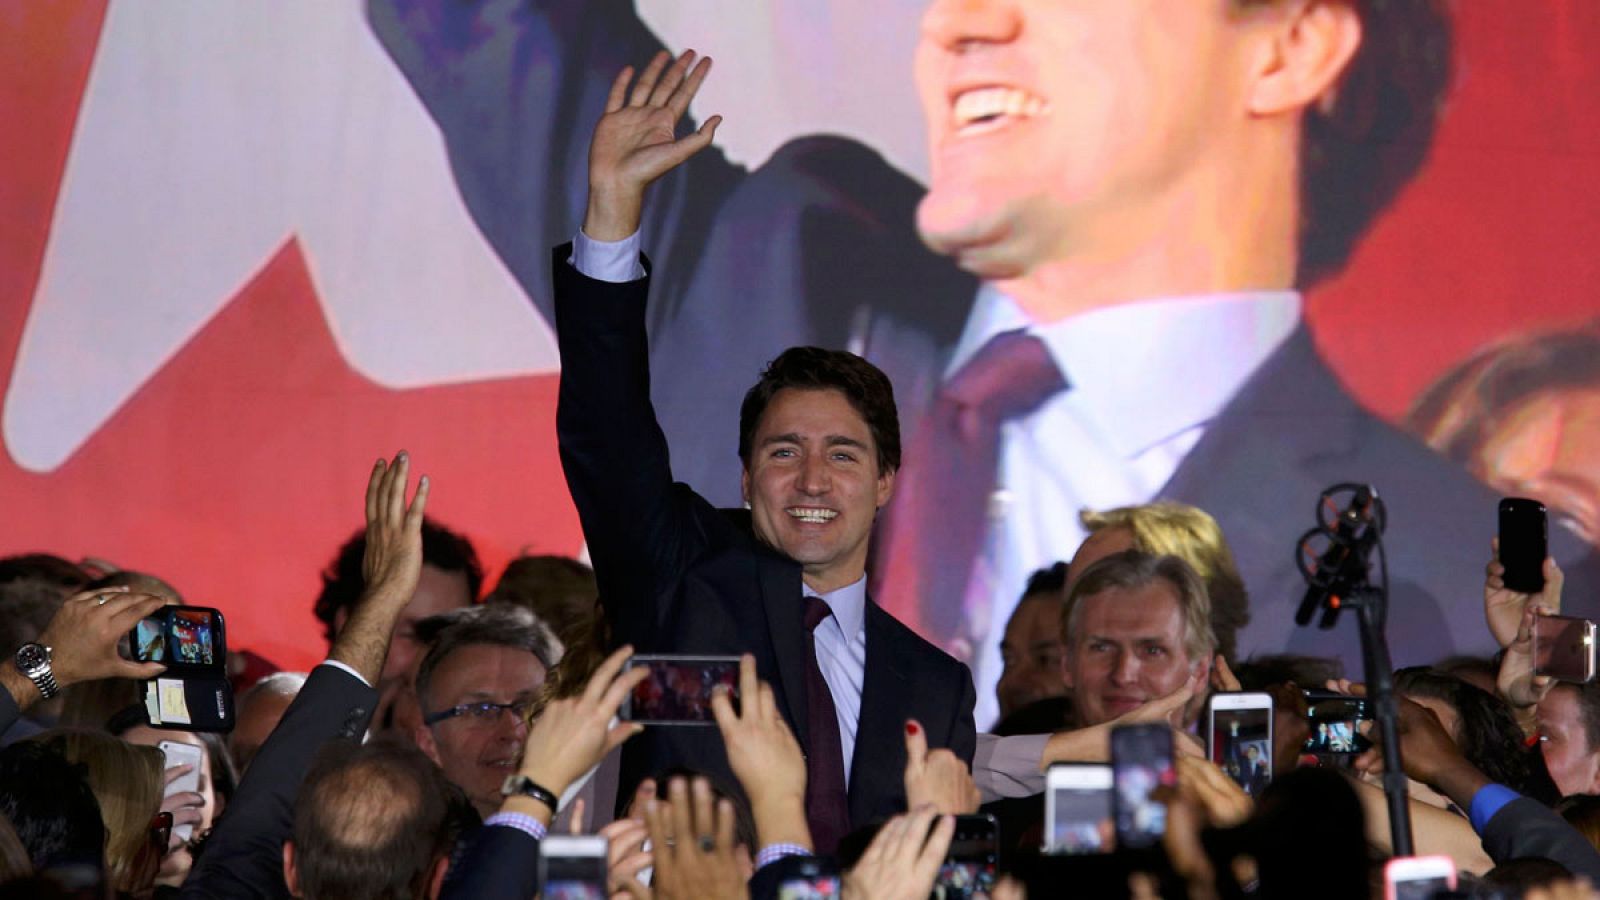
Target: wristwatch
{"points": [[33, 660], [520, 785]]}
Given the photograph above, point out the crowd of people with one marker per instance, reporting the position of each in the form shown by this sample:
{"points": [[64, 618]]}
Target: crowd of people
{"points": [[447, 741]]}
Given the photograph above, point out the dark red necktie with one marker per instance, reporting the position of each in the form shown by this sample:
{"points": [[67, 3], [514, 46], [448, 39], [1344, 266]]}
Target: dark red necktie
{"points": [[940, 510], [827, 798]]}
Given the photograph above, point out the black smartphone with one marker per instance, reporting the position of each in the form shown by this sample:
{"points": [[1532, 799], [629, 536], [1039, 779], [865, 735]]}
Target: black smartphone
{"points": [[1335, 721], [573, 867], [186, 639], [972, 864], [678, 688], [1524, 543], [1141, 761]]}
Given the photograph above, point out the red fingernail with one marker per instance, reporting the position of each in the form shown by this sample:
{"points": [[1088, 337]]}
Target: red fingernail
{"points": [[911, 728]]}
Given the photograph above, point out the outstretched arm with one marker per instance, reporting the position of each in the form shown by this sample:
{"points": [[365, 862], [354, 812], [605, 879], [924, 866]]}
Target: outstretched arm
{"points": [[615, 457]]}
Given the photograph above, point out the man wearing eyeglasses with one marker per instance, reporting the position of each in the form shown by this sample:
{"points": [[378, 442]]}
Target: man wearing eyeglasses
{"points": [[475, 686]]}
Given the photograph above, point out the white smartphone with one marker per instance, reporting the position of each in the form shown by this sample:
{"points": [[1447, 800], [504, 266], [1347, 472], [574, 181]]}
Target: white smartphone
{"points": [[181, 754], [1077, 808], [573, 867], [1240, 726], [1418, 877]]}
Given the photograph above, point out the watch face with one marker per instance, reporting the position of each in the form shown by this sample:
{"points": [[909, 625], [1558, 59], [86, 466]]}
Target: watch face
{"points": [[32, 656], [512, 785]]}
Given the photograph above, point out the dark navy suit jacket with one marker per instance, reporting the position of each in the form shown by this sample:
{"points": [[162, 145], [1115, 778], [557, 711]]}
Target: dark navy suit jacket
{"points": [[678, 575], [818, 246]]}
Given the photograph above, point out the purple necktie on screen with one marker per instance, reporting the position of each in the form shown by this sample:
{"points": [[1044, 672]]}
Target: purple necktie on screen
{"points": [[827, 799], [940, 511]]}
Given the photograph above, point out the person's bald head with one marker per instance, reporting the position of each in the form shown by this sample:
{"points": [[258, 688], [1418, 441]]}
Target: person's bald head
{"points": [[371, 821]]}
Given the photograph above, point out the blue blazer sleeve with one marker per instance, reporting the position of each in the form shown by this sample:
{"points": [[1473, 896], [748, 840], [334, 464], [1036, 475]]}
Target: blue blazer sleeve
{"points": [[501, 864]]}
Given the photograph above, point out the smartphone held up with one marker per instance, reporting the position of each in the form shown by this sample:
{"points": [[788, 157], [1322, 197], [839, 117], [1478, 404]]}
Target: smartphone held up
{"points": [[194, 693]]}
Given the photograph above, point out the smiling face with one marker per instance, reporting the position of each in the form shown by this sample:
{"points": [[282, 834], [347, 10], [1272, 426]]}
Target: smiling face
{"points": [[1127, 649], [477, 753], [1050, 121], [814, 485]]}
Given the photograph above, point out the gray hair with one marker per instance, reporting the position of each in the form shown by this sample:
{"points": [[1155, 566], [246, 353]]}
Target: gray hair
{"points": [[1131, 570], [496, 625]]}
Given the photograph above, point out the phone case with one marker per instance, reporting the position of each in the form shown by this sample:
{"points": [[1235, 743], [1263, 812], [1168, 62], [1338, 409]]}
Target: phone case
{"points": [[196, 703]]}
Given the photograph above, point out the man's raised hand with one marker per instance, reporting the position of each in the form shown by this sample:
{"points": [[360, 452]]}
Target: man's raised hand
{"points": [[636, 141], [393, 560]]}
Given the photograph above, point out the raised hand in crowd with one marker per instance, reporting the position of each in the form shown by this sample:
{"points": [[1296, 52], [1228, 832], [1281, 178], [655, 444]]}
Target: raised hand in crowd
{"points": [[391, 567], [937, 778], [1503, 607], [627, 856], [1517, 685], [692, 833], [636, 142], [187, 809], [82, 639], [766, 759], [574, 734], [903, 859]]}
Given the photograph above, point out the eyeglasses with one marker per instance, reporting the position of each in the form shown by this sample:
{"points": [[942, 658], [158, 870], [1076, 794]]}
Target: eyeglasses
{"points": [[480, 713]]}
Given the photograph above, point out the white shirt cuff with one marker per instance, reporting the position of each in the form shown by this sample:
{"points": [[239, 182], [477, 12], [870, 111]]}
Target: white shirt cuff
{"points": [[353, 673], [614, 261]]}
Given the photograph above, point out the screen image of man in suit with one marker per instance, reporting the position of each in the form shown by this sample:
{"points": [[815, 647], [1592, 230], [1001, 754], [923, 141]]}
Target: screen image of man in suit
{"points": [[1125, 199], [785, 578]]}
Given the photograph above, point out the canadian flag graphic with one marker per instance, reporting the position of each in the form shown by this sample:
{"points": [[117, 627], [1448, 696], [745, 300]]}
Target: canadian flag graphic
{"points": [[222, 440]]}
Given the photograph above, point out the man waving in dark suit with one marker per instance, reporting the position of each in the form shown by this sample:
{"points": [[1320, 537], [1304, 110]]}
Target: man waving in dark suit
{"points": [[819, 441]]}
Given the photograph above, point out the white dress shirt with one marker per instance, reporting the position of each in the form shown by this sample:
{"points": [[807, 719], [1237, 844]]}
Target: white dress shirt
{"points": [[1144, 379]]}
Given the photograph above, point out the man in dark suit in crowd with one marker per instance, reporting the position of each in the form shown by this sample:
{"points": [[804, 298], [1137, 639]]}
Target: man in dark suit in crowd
{"points": [[245, 854], [785, 581], [1141, 190]]}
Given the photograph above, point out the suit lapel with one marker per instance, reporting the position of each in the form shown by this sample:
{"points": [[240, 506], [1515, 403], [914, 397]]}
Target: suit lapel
{"points": [[1264, 425], [878, 762], [780, 596]]}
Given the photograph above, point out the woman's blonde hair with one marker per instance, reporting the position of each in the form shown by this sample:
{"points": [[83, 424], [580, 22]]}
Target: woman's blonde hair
{"points": [[127, 783]]}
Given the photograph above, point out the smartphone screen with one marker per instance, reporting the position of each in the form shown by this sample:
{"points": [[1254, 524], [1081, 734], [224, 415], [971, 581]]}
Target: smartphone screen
{"points": [[182, 637], [810, 882], [573, 867], [1141, 761], [972, 863], [1335, 724], [1563, 648], [1241, 739], [1077, 804], [678, 689], [1524, 543], [821, 887]]}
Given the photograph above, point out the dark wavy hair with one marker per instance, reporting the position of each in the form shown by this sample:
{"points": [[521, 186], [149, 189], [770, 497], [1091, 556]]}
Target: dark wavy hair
{"points": [[1359, 153], [342, 581], [1486, 732], [816, 369]]}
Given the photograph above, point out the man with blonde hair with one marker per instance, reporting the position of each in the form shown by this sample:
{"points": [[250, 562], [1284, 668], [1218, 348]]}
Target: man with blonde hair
{"points": [[1175, 529]]}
